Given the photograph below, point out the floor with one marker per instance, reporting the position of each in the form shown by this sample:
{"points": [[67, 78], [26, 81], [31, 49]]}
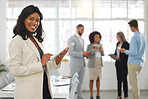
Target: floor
{"points": [[108, 95], [112, 95]]}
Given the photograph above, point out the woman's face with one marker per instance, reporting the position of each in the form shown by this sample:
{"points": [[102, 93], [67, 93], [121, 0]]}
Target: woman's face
{"points": [[118, 38], [32, 22], [97, 38]]}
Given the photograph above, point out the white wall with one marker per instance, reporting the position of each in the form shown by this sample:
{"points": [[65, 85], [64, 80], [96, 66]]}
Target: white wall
{"points": [[3, 31]]}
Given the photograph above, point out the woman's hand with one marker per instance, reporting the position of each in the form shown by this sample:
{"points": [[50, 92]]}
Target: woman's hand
{"points": [[100, 49], [95, 47], [61, 55], [45, 58], [122, 50], [87, 54], [117, 57]]}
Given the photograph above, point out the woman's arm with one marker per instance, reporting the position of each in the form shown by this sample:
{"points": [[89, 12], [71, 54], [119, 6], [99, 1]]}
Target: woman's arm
{"points": [[102, 50], [55, 64], [116, 48], [51, 65], [123, 56], [16, 59], [90, 49]]}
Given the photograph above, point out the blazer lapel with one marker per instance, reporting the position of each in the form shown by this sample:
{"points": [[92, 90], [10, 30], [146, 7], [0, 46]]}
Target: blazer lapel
{"points": [[83, 44], [32, 46], [40, 45]]}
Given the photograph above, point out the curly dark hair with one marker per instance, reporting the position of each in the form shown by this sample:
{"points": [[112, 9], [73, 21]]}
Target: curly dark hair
{"points": [[20, 28], [92, 35]]}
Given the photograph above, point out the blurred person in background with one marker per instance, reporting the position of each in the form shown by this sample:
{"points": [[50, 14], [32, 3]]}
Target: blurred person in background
{"points": [[136, 57], [77, 54], [121, 65], [95, 62]]}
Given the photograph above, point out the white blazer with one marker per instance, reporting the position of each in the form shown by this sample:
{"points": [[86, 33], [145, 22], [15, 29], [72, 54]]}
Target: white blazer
{"points": [[25, 64]]}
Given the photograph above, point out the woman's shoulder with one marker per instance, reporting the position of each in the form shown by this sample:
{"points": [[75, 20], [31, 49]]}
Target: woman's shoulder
{"points": [[89, 45], [101, 44], [17, 37], [117, 43], [126, 43], [17, 40]]}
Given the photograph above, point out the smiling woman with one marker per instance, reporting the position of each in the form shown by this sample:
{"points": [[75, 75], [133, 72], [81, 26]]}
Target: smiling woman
{"points": [[27, 61], [29, 21]]}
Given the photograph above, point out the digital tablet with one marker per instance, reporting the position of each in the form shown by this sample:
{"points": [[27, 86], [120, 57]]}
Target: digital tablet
{"points": [[113, 56], [69, 46]]}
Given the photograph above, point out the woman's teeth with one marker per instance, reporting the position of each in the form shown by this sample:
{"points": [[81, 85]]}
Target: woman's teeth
{"points": [[33, 27]]}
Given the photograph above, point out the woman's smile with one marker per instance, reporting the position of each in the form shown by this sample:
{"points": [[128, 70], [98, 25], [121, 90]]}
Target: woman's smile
{"points": [[32, 22]]}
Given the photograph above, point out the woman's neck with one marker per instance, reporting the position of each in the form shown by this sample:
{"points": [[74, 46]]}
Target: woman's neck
{"points": [[30, 35], [95, 43], [121, 42]]}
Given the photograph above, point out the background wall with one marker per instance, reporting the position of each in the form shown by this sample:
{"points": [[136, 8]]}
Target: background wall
{"points": [[3, 31], [108, 81]]}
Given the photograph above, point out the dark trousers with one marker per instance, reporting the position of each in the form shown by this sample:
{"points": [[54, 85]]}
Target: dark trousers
{"points": [[125, 88], [122, 80]]}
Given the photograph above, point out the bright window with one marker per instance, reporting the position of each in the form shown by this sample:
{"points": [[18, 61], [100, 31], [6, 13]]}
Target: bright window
{"points": [[62, 16]]}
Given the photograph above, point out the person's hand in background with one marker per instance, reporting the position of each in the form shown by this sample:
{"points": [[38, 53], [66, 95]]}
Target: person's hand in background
{"points": [[87, 54], [117, 57], [122, 50], [95, 47], [100, 49]]}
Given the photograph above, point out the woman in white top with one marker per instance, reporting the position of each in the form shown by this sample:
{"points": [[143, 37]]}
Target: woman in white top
{"points": [[95, 62], [27, 61]]}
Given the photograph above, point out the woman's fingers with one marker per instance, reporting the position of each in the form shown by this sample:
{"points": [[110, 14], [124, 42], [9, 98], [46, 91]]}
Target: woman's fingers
{"points": [[100, 49], [48, 56], [45, 58], [62, 54]]}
